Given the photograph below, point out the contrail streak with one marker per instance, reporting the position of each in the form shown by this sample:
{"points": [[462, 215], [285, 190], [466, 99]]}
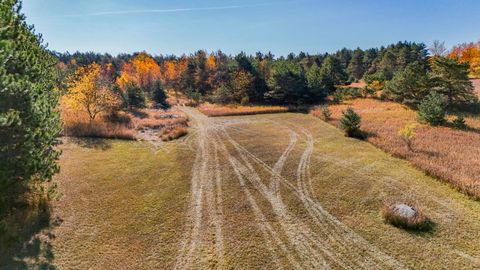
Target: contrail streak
{"points": [[174, 10]]}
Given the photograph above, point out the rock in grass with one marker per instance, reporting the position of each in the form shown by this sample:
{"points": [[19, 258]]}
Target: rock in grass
{"points": [[406, 216], [404, 211]]}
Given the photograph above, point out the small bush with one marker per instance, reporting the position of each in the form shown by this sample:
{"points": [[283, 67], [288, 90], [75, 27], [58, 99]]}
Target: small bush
{"points": [[432, 110], [350, 122], [159, 94], [173, 133], [337, 97], [407, 133], [367, 91], [326, 113], [135, 97], [459, 122], [418, 221]]}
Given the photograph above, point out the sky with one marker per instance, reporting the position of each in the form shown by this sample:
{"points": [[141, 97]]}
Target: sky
{"points": [[279, 26]]}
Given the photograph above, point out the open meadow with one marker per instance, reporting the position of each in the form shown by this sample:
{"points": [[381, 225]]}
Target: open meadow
{"points": [[265, 191], [226, 135]]}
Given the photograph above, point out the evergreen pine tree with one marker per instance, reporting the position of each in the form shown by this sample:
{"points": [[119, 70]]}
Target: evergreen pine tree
{"points": [[432, 109], [159, 95], [350, 122]]}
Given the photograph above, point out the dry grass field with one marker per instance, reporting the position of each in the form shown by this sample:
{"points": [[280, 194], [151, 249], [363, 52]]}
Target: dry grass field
{"points": [[144, 124], [446, 153], [252, 192], [214, 110]]}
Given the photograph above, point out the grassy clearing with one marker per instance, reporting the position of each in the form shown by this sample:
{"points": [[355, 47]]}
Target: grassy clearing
{"points": [[352, 179], [125, 205], [122, 205], [214, 110], [446, 153]]}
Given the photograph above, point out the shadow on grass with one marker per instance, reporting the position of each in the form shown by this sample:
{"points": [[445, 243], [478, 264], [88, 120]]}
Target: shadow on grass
{"points": [[427, 231], [138, 113], [25, 241], [93, 143]]}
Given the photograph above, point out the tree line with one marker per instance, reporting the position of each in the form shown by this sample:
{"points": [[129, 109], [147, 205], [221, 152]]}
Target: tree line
{"points": [[261, 78]]}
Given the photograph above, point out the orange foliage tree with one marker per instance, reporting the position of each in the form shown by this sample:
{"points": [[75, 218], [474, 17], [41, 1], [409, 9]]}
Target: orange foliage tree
{"points": [[468, 53], [90, 91], [142, 71]]}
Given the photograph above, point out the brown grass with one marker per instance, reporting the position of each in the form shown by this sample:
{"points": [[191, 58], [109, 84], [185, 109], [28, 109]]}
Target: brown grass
{"points": [[168, 134], [78, 124], [446, 153], [214, 110], [124, 125]]}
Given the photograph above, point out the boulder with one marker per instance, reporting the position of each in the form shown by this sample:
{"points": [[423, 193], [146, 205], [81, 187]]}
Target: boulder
{"points": [[404, 211]]}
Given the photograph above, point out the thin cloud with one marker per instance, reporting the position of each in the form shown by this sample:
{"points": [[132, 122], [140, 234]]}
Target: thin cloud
{"points": [[175, 10]]}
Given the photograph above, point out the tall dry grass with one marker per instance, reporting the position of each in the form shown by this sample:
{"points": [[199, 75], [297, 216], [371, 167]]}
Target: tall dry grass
{"points": [[214, 110], [443, 152], [78, 124], [122, 125]]}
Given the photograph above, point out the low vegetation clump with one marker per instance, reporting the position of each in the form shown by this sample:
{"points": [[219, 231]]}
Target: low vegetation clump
{"points": [[157, 119], [459, 122], [323, 112], [406, 216], [447, 153], [350, 122], [407, 134], [432, 110], [79, 124], [123, 125], [172, 133], [230, 110]]}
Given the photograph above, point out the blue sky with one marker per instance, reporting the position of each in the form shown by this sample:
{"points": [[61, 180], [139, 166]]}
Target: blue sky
{"points": [[280, 26]]}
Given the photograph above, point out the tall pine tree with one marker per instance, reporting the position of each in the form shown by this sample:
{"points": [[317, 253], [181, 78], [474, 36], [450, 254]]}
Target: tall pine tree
{"points": [[29, 121]]}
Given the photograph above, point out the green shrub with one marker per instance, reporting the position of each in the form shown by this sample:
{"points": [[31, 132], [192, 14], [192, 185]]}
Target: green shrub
{"points": [[337, 97], [432, 109], [326, 113], [135, 97], [350, 123], [159, 95], [459, 122]]}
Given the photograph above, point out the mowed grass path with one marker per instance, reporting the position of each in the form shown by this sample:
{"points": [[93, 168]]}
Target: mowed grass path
{"points": [[266, 191]]}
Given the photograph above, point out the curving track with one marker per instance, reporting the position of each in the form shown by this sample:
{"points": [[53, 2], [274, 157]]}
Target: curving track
{"points": [[315, 241]]}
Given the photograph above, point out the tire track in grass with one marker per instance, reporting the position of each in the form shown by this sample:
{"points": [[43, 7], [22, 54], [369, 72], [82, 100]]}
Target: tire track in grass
{"points": [[278, 167], [304, 242], [194, 216], [219, 212], [267, 230], [300, 236], [304, 184], [346, 236], [204, 216]]}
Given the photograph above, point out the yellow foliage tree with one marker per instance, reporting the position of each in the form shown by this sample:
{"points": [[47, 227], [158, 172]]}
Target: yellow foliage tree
{"points": [[407, 134], [142, 70], [89, 91]]}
